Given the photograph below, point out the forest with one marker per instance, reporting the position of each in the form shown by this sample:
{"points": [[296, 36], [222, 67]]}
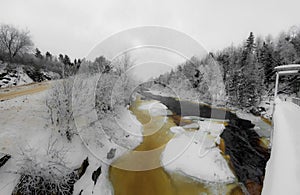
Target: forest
{"points": [[247, 71]]}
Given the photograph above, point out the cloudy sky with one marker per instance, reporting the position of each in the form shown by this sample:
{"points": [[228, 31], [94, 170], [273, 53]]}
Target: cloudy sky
{"points": [[75, 27]]}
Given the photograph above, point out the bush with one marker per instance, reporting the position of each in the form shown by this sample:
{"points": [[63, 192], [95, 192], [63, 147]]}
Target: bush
{"points": [[59, 103], [45, 174]]}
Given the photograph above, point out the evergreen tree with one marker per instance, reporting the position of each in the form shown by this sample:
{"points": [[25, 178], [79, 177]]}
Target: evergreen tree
{"points": [[266, 59], [248, 50], [61, 58], [48, 55], [286, 50], [38, 53], [66, 60]]}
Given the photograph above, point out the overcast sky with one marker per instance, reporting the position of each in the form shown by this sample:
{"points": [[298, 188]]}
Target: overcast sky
{"points": [[75, 27]]}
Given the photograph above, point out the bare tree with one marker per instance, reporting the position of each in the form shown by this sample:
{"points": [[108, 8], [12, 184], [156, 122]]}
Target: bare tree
{"points": [[14, 41], [123, 63], [59, 103], [123, 86]]}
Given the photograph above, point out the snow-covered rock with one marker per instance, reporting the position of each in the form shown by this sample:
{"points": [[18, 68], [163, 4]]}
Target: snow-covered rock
{"points": [[191, 126], [177, 130], [197, 158], [155, 108], [195, 154], [13, 78]]}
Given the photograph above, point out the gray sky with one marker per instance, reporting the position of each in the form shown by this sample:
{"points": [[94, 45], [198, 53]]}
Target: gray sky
{"points": [[75, 27]]}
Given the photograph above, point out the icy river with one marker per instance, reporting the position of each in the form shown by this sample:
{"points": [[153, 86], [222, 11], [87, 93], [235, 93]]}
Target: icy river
{"points": [[151, 177]]}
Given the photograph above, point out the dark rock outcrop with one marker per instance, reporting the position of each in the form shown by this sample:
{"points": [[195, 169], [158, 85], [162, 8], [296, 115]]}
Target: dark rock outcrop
{"points": [[96, 175], [81, 170], [247, 157], [4, 159]]}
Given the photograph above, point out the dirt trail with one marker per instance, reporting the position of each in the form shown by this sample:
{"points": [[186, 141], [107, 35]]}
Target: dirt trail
{"points": [[12, 92]]}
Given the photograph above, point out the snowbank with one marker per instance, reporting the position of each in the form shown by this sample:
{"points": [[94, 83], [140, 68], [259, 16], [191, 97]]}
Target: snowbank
{"points": [[22, 122], [120, 132], [25, 124], [283, 168], [195, 154]]}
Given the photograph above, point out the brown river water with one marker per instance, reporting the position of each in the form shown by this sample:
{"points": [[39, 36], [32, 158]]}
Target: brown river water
{"points": [[157, 181]]}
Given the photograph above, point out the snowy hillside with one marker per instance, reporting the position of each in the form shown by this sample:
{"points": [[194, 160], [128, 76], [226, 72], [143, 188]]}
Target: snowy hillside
{"points": [[16, 75], [27, 135], [13, 78]]}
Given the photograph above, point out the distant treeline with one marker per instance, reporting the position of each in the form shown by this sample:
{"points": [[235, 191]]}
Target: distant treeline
{"points": [[16, 47], [247, 70]]}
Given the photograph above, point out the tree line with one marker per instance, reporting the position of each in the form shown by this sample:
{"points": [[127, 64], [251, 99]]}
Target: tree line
{"points": [[17, 47], [247, 70]]}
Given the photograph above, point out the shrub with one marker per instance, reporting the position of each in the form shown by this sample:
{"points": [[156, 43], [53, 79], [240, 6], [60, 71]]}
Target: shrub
{"points": [[59, 103]]}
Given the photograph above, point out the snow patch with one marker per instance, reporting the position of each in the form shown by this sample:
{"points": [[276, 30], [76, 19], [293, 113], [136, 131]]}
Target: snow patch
{"points": [[195, 154], [155, 108]]}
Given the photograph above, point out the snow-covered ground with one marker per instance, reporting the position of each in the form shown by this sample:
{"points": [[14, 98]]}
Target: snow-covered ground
{"points": [[283, 169], [25, 126], [195, 154]]}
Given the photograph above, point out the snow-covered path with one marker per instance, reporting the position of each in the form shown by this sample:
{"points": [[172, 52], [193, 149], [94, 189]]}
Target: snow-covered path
{"points": [[13, 92], [283, 168]]}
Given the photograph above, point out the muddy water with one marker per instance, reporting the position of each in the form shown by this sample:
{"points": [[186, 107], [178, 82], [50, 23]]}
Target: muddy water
{"points": [[156, 181]]}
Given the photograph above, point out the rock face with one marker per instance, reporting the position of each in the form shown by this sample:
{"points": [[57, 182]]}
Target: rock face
{"points": [[96, 175], [247, 158], [4, 159], [37, 76]]}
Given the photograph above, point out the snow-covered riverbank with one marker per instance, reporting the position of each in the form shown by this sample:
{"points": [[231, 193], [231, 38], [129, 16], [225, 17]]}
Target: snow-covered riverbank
{"points": [[25, 128]]}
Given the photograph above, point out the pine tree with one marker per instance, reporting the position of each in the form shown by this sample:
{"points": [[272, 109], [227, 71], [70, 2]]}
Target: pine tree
{"points": [[38, 53], [48, 55], [66, 60], [61, 58], [266, 59], [248, 49], [286, 50]]}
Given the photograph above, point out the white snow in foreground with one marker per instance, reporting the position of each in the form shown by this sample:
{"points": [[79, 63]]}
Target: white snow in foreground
{"points": [[283, 168], [22, 122], [24, 125], [100, 136], [195, 154]]}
